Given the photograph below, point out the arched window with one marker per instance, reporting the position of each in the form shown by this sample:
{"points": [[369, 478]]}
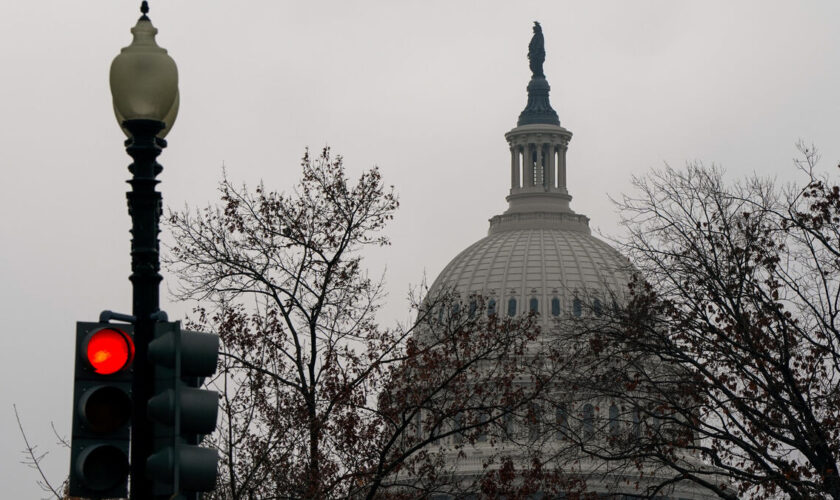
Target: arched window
{"points": [[440, 313], [614, 420], [534, 421], [512, 307], [555, 306], [596, 307], [588, 421], [534, 305], [482, 427], [473, 307], [459, 428], [636, 430], [491, 307], [456, 308], [435, 430], [561, 418], [507, 421], [577, 307], [657, 421], [418, 424]]}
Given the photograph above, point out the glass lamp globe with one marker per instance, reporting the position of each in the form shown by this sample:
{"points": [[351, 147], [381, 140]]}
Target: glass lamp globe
{"points": [[144, 80]]}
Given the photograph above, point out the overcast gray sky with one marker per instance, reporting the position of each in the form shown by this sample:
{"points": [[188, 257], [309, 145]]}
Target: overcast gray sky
{"points": [[424, 89]]}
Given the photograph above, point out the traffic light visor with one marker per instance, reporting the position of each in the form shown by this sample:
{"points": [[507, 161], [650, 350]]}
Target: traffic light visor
{"points": [[109, 350]]}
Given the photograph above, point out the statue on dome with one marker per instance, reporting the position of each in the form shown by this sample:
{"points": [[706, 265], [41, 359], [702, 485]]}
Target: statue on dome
{"points": [[536, 51]]}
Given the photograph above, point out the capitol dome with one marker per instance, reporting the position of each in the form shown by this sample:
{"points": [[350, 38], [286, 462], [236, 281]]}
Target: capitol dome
{"points": [[536, 264], [540, 256]]}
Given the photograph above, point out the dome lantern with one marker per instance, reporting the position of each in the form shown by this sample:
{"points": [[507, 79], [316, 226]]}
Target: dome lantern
{"points": [[539, 197]]}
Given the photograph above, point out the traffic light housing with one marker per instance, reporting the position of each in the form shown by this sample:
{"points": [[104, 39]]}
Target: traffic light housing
{"points": [[99, 460], [181, 411]]}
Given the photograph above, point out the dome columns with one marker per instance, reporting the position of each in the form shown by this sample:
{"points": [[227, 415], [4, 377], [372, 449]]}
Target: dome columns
{"points": [[538, 168]]}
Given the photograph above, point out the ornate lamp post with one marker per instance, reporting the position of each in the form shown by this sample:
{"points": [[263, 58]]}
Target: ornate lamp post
{"points": [[144, 86]]}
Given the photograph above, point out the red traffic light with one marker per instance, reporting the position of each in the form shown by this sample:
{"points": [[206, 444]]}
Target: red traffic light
{"points": [[109, 350], [102, 407]]}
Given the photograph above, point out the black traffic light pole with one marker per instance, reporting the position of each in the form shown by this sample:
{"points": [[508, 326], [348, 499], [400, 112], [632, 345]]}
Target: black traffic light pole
{"points": [[144, 207]]}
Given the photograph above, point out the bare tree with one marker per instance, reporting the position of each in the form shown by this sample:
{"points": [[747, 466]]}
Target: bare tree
{"points": [[723, 364], [318, 401]]}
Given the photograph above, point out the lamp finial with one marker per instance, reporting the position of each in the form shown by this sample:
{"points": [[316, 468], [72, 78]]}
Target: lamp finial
{"points": [[144, 8]]}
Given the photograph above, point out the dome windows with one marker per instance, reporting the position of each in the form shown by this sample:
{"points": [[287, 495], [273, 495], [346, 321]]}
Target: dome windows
{"points": [[635, 431], [534, 418], [510, 306], [417, 422], [511, 310], [507, 422], [561, 418], [482, 429], [588, 421], [536, 422], [614, 420], [458, 425]]}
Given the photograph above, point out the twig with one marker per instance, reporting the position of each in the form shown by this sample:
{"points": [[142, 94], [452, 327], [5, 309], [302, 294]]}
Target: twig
{"points": [[35, 461], [61, 440]]}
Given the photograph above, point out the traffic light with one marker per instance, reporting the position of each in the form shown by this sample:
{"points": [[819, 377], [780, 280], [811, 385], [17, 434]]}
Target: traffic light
{"points": [[101, 410], [182, 412]]}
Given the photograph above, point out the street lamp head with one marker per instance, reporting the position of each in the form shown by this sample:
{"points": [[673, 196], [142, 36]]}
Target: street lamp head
{"points": [[144, 79]]}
